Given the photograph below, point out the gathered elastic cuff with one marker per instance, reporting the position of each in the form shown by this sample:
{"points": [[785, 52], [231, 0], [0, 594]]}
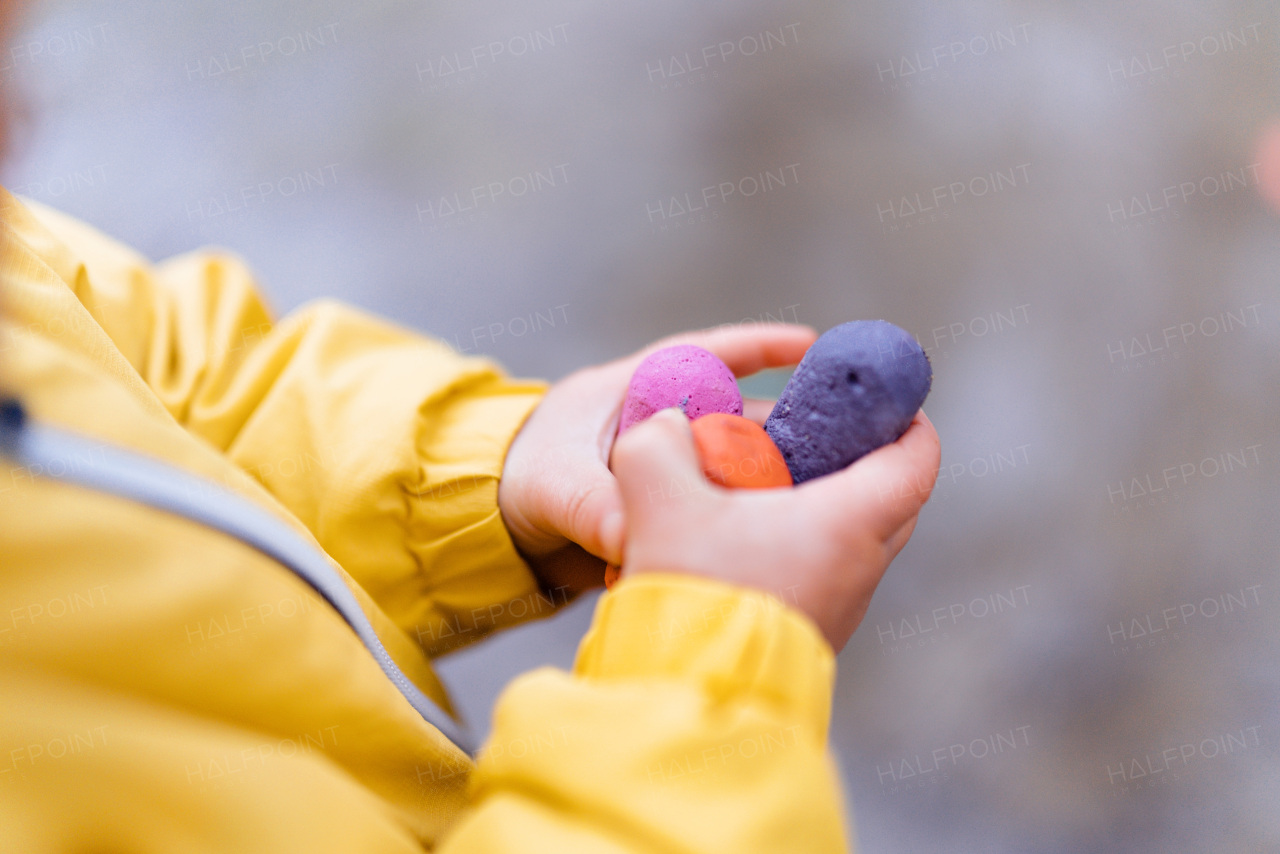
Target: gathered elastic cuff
{"points": [[477, 580], [740, 644]]}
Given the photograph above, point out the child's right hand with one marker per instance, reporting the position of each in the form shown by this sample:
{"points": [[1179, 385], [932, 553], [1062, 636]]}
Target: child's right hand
{"points": [[821, 546]]}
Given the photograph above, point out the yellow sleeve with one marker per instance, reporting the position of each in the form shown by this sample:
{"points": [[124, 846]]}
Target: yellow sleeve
{"points": [[695, 720], [386, 444]]}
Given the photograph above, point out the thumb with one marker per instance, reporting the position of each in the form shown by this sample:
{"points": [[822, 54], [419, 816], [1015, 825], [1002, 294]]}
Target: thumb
{"points": [[656, 465]]}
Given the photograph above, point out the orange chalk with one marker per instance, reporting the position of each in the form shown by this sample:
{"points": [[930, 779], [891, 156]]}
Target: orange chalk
{"points": [[612, 572], [736, 452]]}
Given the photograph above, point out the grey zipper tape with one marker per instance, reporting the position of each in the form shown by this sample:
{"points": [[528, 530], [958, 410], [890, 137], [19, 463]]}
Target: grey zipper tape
{"points": [[124, 473]]}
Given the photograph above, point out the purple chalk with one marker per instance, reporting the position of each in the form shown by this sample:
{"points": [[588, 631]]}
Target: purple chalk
{"points": [[686, 376], [856, 389]]}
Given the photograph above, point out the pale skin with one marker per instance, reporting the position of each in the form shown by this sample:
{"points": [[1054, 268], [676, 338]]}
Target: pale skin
{"points": [[574, 498]]}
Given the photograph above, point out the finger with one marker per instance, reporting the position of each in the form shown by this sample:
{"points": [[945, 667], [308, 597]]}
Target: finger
{"points": [[757, 410], [886, 487], [898, 541], [657, 470], [902, 474], [592, 514], [747, 349], [613, 533]]}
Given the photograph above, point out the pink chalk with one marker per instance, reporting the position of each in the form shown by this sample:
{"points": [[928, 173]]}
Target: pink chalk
{"points": [[686, 376]]}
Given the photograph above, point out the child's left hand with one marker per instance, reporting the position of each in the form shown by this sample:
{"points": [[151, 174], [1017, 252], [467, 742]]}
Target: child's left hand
{"points": [[557, 496]]}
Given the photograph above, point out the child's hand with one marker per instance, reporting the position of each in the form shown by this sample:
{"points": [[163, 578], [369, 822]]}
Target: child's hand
{"points": [[821, 546], [557, 496]]}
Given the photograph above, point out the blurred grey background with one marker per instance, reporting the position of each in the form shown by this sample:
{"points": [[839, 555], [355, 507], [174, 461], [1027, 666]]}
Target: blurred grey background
{"points": [[1063, 201]]}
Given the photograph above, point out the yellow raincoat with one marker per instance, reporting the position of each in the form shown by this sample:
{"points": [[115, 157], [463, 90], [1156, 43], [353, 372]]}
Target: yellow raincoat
{"points": [[164, 687]]}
